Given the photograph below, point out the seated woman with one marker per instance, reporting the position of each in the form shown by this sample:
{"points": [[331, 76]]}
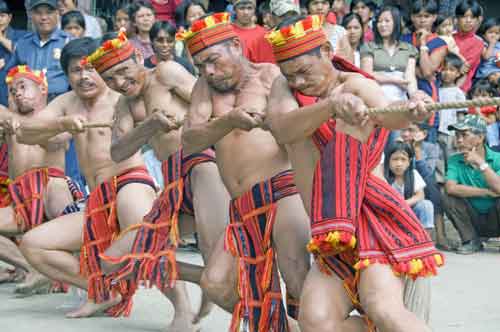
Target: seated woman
{"points": [[353, 25]]}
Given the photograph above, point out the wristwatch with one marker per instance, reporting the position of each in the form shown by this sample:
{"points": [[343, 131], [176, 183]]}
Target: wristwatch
{"points": [[484, 166]]}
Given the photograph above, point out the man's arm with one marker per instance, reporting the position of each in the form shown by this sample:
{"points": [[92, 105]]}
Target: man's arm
{"points": [[430, 63], [176, 76], [53, 123], [127, 140], [463, 191], [199, 132], [372, 95], [289, 123]]}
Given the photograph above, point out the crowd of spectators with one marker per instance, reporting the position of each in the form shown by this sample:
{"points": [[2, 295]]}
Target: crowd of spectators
{"points": [[448, 167]]}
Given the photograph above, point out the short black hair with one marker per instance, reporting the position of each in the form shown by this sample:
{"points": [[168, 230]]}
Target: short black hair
{"points": [[77, 48], [488, 24], [182, 9], [396, 17], [4, 8], [161, 26], [453, 60], [482, 85], [441, 18], [73, 16], [471, 5], [305, 3], [429, 6], [134, 7], [368, 3]]}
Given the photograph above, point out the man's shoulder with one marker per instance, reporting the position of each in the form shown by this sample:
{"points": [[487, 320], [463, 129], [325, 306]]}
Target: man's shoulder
{"points": [[26, 38]]}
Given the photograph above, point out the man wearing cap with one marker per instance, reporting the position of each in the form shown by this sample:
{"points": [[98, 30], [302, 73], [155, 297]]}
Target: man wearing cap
{"points": [[363, 233], [121, 193], [41, 50], [473, 185], [146, 114], [267, 218], [39, 190], [259, 50]]}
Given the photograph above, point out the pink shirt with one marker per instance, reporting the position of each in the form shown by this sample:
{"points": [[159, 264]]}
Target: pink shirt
{"points": [[470, 46]]}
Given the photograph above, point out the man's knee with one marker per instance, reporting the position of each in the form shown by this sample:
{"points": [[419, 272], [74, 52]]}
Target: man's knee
{"points": [[382, 309], [316, 317], [216, 282], [425, 212]]}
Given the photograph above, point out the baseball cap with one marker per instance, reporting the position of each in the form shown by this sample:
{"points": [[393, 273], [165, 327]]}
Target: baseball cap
{"points": [[470, 122], [36, 3], [281, 7]]}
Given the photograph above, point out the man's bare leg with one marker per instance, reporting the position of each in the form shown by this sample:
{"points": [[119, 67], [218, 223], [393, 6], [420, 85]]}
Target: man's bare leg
{"points": [[220, 278], [325, 305], [290, 236], [49, 248], [211, 203], [381, 294], [10, 253]]}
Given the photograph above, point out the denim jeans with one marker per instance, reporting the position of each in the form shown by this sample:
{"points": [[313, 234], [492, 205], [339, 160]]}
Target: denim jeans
{"points": [[424, 210]]}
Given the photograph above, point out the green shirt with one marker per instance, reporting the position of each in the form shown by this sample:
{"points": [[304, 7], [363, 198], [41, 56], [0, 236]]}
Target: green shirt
{"points": [[383, 61], [465, 174]]}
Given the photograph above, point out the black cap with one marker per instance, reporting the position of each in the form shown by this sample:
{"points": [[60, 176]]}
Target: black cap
{"points": [[36, 3]]}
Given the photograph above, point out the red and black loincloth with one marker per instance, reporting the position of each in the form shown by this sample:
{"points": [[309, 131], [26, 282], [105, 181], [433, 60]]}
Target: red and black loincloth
{"points": [[4, 176], [101, 228], [248, 237], [152, 260], [358, 219], [26, 195]]}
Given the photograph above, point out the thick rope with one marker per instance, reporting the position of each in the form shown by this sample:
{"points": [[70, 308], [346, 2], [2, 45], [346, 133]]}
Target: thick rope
{"points": [[479, 102]]}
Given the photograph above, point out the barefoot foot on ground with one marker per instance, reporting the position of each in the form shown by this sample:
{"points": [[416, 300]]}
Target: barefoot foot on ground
{"points": [[206, 307], [183, 323], [91, 308], [34, 283], [7, 275]]}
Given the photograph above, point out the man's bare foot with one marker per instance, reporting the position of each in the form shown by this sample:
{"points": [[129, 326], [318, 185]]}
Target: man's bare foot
{"points": [[91, 308], [34, 283], [183, 322], [7, 275], [206, 307]]}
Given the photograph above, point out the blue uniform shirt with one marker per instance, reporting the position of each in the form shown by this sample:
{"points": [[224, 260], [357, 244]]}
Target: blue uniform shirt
{"points": [[30, 51], [13, 35]]}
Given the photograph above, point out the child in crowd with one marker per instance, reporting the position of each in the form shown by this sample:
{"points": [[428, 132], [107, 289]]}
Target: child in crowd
{"points": [[340, 9], [490, 63], [399, 171], [468, 13], [122, 20], [365, 9], [450, 92], [73, 23], [481, 89], [445, 28], [264, 16]]}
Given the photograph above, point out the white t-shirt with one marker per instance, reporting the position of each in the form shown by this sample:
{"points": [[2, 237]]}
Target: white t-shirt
{"points": [[419, 184]]}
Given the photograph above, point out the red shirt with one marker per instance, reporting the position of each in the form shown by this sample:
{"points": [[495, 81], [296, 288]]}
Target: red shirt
{"points": [[247, 36], [260, 50], [165, 12], [471, 47]]}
